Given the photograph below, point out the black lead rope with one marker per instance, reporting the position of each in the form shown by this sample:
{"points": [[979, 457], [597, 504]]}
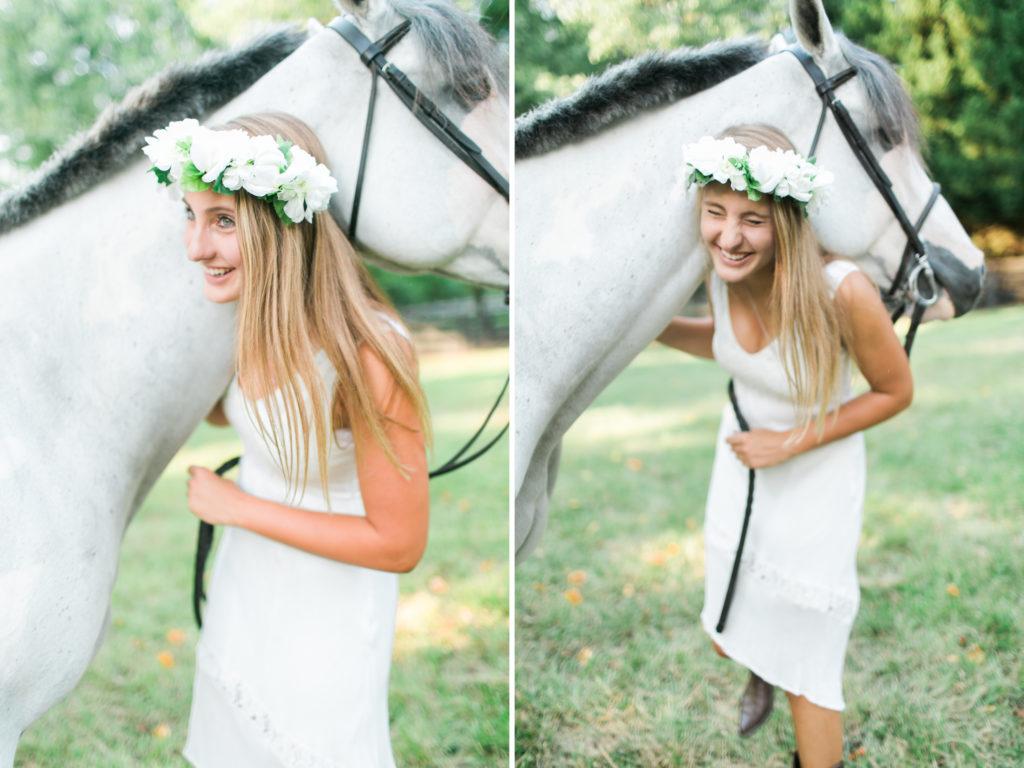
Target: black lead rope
{"points": [[203, 546], [746, 519]]}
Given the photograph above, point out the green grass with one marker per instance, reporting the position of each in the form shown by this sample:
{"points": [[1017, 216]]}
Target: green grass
{"points": [[934, 676], [449, 677]]}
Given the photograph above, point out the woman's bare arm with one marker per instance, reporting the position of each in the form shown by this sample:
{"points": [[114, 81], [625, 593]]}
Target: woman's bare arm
{"points": [[881, 359], [393, 534]]}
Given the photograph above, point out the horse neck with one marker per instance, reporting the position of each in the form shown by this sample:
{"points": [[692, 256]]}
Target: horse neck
{"points": [[114, 354]]}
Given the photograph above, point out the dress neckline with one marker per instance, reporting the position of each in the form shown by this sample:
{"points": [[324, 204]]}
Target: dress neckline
{"points": [[732, 331]]}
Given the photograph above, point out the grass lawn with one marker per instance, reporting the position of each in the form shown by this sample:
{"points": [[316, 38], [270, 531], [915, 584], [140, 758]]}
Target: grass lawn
{"points": [[612, 666], [449, 677]]}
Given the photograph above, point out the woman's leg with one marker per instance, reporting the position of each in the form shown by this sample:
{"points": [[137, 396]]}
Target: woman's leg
{"points": [[819, 733]]}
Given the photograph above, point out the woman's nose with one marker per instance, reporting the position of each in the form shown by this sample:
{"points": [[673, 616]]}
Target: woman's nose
{"points": [[731, 237], [198, 244]]}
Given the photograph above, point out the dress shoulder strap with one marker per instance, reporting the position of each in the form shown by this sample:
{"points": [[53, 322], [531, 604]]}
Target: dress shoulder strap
{"points": [[836, 271]]}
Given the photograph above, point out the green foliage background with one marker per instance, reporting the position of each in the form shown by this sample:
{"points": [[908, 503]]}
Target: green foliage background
{"points": [[63, 61], [962, 61]]}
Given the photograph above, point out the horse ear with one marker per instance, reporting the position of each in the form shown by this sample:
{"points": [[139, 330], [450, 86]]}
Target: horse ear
{"points": [[814, 31], [351, 6]]}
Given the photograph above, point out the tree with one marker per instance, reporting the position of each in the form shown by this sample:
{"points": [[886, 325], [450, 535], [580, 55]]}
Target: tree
{"points": [[62, 61], [964, 66]]}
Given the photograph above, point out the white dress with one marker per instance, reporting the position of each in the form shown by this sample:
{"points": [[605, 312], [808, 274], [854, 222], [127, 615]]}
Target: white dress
{"points": [[293, 658], [796, 592]]}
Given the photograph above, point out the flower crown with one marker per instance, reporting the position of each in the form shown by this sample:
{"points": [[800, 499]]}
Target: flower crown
{"points": [[761, 171], [197, 158]]}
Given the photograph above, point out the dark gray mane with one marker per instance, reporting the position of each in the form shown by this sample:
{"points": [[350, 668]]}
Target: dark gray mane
{"points": [[654, 79], [190, 90], [895, 118], [464, 56], [634, 86]]}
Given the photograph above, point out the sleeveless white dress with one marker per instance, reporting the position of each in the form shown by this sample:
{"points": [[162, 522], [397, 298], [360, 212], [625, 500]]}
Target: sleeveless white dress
{"points": [[293, 659], [796, 592]]}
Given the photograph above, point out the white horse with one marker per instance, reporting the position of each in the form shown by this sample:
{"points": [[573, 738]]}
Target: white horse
{"points": [[607, 234], [112, 356]]}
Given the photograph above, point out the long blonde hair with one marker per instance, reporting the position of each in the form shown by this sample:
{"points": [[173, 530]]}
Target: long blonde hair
{"points": [[812, 329], [304, 288]]}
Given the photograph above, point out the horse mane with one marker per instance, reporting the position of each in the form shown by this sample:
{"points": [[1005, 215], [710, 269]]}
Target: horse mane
{"points": [[895, 117], [657, 78], [625, 90], [465, 57], [180, 91]]}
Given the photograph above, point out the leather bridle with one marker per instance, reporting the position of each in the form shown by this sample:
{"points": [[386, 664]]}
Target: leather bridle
{"points": [[372, 55], [914, 266]]}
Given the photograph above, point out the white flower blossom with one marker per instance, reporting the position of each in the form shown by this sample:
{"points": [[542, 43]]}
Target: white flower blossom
{"points": [[767, 167], [162, 147]]}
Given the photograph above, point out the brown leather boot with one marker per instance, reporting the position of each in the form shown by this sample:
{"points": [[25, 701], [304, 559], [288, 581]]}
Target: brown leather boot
{"points": [[757, 703]]}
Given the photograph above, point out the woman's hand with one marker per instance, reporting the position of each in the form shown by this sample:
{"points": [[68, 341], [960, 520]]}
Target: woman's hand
{"points": [[210, 497], [760, 448]]}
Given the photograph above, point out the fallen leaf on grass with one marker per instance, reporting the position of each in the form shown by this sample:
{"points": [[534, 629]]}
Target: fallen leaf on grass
{"points": [[162, 731], [953, 590], [672, 549], [577, 578], [176, 637], [584, 656], [976, 654], [487, 566], [574, 504], [1019, 713], [634, 464], [573, 596], [657, 558], [540, 587], [166, 658]]}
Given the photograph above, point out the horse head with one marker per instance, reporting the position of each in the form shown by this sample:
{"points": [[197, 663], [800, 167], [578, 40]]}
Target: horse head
{"points": [[421, 208], [858, 224]]}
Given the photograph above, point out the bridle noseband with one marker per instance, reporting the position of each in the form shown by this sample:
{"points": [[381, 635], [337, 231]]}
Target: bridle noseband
{"points": [[914, 266], [428, 113]]}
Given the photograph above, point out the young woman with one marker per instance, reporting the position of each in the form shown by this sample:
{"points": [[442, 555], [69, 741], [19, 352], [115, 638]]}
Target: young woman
{"points": [[785, 321], [331, 502]]}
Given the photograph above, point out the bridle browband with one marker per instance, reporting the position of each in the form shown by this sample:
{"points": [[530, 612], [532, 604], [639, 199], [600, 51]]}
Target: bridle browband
{"points": [[915, 264], [422, 108]]}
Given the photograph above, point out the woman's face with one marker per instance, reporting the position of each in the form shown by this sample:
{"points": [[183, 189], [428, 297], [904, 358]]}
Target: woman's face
{"points": [[211, 239], [738, 232]]}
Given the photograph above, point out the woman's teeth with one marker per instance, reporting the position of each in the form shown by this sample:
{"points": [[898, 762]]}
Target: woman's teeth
{"points": [[218, 272], [733, 256]]}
